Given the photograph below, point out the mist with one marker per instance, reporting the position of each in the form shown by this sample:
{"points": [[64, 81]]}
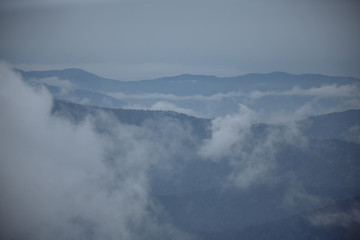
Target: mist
{"points": [[65, 181], [75, 171]]}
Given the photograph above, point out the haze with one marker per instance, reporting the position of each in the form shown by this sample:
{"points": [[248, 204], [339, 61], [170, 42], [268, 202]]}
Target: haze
{"points": [[134, 40]]}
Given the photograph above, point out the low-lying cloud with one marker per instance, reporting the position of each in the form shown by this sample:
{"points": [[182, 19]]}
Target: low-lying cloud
{"points": [[324, 91], [163, 96], [92, 180], [163, 106], [248, 147], [337, 217], [308, 101], [66, 181], [64, 85]]}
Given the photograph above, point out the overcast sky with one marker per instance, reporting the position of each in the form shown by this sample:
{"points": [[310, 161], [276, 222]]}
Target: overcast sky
{"points": [[142, 39]]}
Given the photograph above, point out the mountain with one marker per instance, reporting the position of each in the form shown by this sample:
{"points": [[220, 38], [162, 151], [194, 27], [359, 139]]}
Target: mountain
{"points": [[256, 178], [80, 78], [152, 173], [343, 125], [208, 96], [336, 221], [192, 192], [190, 84], [77, 113]]}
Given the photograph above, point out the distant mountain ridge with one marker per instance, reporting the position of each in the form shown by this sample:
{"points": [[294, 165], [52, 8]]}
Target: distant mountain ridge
{"points": [[79, 77], [93, 82], [207, 96]]}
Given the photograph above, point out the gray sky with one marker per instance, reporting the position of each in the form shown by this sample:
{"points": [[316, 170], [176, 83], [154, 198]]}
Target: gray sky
{"points": [[139, 39]]}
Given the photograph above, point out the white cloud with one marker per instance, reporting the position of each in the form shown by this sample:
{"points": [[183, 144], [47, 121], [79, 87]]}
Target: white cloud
{"points": [[64, 85], [325, 91], [84, 101], [248, 148], [226, 132], [162, 106], [198, 97], [60, 180], [318, 99], [308, 109], [347, 97]]}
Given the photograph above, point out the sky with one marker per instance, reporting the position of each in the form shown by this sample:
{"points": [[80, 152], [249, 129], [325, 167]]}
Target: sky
{"points": [[138, 39]]}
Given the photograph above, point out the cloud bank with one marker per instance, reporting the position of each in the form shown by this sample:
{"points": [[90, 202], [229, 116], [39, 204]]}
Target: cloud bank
{"points": [[308, 101], [248, 147], [324, 91], [66, 181]]}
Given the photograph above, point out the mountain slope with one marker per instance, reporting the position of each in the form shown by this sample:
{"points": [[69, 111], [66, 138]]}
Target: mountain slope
{"points": [[80, 78], [193, 192], [336, 221], [338, 125]]}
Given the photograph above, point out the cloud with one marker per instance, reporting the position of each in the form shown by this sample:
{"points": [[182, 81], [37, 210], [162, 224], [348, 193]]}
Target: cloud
{"points": [[325, 91], [65, 181], [319, 100], [226, 132], [163, 106], [337, 217], [248, 147], [214, 97], [303, 111], [297, 197], [348, 97], [64, 85], [353, 134]]}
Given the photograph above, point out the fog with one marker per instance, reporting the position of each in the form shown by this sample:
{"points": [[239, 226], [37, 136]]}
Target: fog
{"points": [[57, 178], [96, 177]]}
